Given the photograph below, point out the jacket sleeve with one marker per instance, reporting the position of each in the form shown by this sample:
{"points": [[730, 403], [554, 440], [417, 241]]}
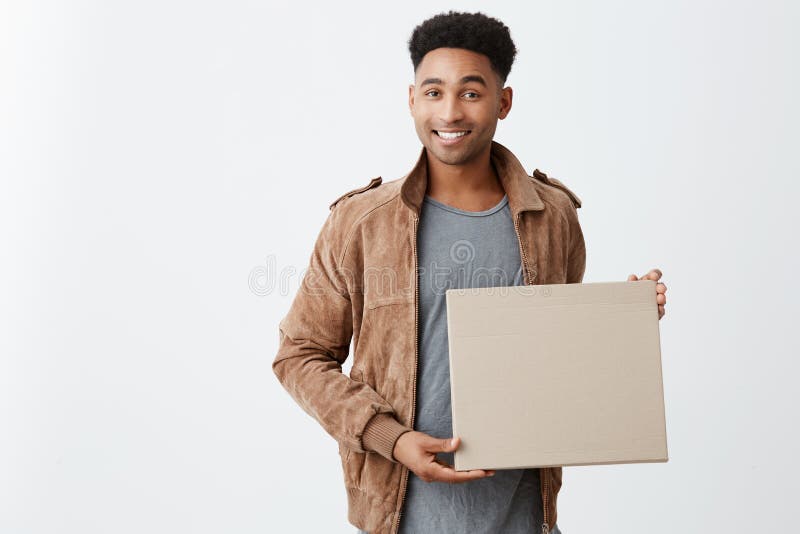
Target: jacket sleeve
{"points": [[314, 341], [576, 261]]}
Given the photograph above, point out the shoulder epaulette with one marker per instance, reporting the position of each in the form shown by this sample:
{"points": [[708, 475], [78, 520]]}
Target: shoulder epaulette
{"points": [[542, 177], [372, 183]]}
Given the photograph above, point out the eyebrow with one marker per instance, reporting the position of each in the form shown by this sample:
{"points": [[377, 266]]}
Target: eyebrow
{"points": [[469, 78]]}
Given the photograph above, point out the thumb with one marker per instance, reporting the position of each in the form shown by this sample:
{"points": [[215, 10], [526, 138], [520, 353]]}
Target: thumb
{"points": [[451, 444], [442, 444]]}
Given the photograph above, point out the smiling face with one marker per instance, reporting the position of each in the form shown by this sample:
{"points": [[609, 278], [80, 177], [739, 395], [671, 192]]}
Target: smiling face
{"points": [[456, 101]]}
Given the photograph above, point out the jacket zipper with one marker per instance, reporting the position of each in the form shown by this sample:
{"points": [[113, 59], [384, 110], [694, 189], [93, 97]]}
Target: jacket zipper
{"points": [[404, 482], [522, 252], [545, 481]]}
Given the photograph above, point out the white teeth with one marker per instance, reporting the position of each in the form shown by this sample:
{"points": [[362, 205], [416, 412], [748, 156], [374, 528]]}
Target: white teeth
{"points": [[450, 135]]}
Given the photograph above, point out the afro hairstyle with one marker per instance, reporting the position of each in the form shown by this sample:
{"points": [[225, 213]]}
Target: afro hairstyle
{"points": [[472, 31]]}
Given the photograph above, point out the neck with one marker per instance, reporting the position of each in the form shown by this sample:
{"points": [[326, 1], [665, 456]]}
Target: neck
{"points": [[473, 186]]}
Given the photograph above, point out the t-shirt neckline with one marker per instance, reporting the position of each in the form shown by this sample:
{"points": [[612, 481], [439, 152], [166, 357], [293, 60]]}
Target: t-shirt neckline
{"points": [[452, 209]]}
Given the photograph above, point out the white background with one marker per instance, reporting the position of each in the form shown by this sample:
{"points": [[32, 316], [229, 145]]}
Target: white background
{"points": [[156, 156]]}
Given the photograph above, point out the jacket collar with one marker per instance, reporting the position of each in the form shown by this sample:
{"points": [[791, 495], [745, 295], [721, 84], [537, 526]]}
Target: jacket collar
{"points": [[522, 194]]}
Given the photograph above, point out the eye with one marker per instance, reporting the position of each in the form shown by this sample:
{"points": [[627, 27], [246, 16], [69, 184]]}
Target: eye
{"points": [[472, 93], [432, 91]]}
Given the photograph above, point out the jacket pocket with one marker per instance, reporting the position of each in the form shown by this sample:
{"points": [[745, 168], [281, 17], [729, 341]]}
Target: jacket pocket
{"points": [[344, 454], [352, 467], [387, 301]]}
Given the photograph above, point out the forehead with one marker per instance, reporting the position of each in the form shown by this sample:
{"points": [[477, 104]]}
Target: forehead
{"points": [[451, 64]]}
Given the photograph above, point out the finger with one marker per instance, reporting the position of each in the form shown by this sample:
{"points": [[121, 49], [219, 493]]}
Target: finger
{"points": [[441, 473], [661, 311], [661, 299], [654, 274], [489, 472], [632, 278], [661, 288]]}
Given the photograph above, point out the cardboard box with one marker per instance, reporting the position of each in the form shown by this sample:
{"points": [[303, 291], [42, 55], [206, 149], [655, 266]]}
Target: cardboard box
{"points": [[559, 374]]}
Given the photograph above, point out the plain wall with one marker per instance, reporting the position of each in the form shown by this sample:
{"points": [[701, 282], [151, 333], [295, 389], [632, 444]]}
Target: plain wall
{"points": [[165, 168]]}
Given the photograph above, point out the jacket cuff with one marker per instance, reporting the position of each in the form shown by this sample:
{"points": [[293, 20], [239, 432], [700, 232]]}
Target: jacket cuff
{"points": [[381, 433]]}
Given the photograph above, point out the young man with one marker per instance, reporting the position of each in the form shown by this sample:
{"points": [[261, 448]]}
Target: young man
{"points": [[466, 215]]}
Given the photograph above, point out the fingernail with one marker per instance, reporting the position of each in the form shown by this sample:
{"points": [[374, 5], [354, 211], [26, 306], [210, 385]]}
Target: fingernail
{"points": [[453, 442]]}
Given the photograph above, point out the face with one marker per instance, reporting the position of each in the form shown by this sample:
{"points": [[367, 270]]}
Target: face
{"points": [[456, 101]]}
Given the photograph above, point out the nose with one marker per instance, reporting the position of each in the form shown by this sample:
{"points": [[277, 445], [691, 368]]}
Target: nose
{"points": [[450, 111]]}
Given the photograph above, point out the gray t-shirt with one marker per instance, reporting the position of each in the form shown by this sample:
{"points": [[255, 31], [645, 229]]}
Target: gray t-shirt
{"points": [[462, 249]]}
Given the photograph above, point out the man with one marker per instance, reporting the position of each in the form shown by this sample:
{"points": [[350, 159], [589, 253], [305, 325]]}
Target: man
{"points": [[466, 215]]}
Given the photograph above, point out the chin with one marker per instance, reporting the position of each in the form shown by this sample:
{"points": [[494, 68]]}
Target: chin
{"points": [[451, 157]]}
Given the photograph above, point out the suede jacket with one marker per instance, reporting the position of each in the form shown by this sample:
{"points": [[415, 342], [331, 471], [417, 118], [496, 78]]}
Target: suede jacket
{"points": [[361, 287]]}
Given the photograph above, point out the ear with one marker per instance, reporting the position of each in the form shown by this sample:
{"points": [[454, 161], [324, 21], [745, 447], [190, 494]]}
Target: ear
{"points": [[411, 98], [506, 96]]}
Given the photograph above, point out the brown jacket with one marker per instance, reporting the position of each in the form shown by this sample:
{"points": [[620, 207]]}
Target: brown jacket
{"points": [[361, 285]]}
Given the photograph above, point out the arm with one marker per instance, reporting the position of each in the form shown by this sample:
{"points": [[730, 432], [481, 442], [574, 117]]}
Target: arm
{"points": [[314, 342], [576, 261]]}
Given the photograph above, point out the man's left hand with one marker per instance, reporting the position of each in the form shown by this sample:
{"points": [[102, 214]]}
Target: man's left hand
{"points": [[661, 289]]}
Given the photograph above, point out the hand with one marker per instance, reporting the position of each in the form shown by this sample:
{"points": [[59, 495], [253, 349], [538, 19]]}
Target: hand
{"points": [[661, 289], [417, 451]]}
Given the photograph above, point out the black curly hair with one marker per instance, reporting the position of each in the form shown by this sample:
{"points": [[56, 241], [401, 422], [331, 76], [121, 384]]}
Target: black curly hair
{"points": [[472, 31]]}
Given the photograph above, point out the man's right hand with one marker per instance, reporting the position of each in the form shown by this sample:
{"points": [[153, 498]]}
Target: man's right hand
{"points": [[417, 451]]}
